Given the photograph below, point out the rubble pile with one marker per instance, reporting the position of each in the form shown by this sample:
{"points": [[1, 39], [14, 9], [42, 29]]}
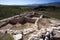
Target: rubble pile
{"points": [[31, 26]]}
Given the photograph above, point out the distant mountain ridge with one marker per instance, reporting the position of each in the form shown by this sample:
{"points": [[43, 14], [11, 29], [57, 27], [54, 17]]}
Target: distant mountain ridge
{"points": [[57, 4]]}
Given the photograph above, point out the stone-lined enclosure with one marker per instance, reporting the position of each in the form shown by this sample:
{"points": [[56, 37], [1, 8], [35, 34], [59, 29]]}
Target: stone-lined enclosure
{"points": [[28, 24], [22, 19]]}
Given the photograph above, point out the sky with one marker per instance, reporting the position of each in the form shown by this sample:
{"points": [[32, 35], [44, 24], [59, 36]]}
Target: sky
{"points": [[25, 2]]}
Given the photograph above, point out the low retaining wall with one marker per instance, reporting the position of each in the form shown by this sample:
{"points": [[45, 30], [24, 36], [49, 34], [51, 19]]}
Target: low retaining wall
{"points": [[15, 20]]}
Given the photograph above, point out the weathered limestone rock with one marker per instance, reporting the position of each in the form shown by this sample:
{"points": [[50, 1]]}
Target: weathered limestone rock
{"points": [[17, 37]]}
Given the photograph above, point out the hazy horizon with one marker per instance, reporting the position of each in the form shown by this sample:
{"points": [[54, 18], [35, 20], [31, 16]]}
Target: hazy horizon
{"points": [[25, 2]]}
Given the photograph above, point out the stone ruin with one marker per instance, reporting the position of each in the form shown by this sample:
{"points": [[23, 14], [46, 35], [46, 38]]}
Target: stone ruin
{"points": [[28, 25]]}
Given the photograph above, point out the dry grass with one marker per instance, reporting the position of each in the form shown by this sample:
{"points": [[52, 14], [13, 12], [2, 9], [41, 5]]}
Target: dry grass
{"points": [[44, 22]]}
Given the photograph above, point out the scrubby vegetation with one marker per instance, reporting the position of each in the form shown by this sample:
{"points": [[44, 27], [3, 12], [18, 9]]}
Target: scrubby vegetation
{"points": [[8, 11], [6, 37]]}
